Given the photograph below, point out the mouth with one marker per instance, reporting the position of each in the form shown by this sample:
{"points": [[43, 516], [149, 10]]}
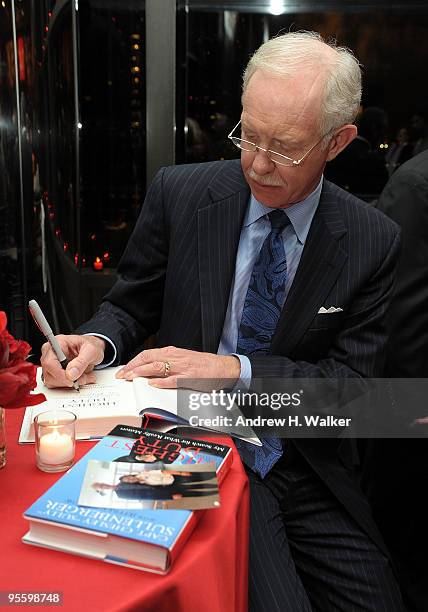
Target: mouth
{"points": [[264, 185], [260, 183]]}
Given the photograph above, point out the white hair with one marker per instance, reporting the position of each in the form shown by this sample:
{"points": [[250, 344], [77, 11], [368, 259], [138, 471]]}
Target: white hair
{"points": [[287, 54]]}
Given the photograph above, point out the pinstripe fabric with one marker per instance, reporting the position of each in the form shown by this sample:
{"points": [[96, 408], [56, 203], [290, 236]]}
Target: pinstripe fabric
{"points": [[175, 275], [177, 270], [307, 553]]}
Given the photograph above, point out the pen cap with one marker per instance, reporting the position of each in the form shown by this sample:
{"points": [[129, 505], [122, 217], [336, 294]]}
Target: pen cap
{"points": [[39, 318]]}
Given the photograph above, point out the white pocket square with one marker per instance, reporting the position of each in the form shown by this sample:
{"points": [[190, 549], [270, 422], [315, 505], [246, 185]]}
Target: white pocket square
{"points": [[330, 310]]}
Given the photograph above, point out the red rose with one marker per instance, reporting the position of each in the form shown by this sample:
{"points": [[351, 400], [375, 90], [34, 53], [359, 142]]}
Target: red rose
{"points": [[11, 351], [4, 344], [17, 376], [3, 321]]}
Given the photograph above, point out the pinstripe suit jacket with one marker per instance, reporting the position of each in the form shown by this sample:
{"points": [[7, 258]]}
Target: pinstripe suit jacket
{"points": [[176, 273]]}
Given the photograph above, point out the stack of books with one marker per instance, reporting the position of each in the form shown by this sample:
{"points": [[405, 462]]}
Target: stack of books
{"points": [[101, 509]]}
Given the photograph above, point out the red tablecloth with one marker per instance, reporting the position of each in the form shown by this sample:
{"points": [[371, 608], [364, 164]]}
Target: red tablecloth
{"points": [[210, 573]]}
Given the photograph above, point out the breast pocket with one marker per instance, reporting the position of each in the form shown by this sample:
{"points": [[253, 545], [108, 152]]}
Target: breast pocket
{"points": [[319, 337], [327, 321]]}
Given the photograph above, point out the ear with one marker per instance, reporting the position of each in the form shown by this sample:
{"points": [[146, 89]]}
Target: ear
{"points": [[340, 140]]}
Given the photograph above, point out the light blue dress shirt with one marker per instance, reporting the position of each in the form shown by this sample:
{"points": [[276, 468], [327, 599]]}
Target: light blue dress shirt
{"points": [[254, 231]]}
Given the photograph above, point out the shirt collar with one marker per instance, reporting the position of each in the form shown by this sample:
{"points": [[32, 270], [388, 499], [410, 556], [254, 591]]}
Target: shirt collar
{"points": [[300, 214]]}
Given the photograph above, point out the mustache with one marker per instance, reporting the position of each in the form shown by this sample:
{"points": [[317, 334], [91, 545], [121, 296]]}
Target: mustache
{"points": [[268, 180]]}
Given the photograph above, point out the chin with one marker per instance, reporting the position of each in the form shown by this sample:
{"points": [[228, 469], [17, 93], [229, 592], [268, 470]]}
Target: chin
{"points": [[269, 196], [266, 194]]}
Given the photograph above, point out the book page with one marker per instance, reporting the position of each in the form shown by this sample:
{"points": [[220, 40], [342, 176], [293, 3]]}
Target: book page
{"points": [[108, 400], [111, 401], [107, 395], [148, 397]]}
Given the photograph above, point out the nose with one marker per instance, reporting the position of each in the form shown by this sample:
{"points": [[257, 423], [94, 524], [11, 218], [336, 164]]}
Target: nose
{"points": [[262, 164]]}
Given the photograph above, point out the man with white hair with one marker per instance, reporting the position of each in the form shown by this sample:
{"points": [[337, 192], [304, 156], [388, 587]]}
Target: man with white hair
{"points": [[263, 269]]}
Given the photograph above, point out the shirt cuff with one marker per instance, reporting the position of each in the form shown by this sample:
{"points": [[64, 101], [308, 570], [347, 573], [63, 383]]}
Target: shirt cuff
{"points": [[110, 348], [244, 381]]}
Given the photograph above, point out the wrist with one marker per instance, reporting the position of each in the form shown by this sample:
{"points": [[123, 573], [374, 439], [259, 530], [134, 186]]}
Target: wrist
{"points": [[232, 367], [98, 342]]}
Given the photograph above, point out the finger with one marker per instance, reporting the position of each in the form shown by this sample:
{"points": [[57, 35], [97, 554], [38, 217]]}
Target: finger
{"points": [[52, 382], [135, 362], [48, 354], [46, 348], [86, 359], [164, 383], [60, 379], [147, 356], [53, 374], [157, 369], [138, 360], [87, 379]]}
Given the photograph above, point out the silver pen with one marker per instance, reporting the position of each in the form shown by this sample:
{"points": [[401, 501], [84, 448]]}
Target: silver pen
{"points": [[45, 328]]}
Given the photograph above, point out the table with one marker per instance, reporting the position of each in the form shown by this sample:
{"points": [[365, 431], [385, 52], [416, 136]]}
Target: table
{"points": [[210, 573]]}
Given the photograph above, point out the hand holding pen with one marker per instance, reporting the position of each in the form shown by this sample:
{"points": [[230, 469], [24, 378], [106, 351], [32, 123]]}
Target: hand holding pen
{"points": [[45, 328]]}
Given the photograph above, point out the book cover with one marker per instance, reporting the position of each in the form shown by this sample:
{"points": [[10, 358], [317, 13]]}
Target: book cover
{"points": [[128, 485], [136, 537], [169, 471]]}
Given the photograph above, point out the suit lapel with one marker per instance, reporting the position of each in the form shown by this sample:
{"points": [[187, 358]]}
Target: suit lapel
{"points": [[219, 228], [321, 262]]}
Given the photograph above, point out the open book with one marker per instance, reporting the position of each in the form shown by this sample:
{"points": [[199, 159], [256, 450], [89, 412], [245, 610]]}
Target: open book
{"points": [[101, 406]]}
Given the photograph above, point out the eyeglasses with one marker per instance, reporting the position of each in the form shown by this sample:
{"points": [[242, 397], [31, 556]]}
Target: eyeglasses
{"points": [[277, 158]]}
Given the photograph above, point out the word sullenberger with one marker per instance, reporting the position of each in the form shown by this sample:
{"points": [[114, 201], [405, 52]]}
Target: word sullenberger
{"points": [[290, 421]]}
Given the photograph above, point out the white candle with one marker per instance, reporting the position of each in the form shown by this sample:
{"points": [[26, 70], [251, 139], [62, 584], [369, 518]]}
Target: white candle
{"points": [[56, 447]]}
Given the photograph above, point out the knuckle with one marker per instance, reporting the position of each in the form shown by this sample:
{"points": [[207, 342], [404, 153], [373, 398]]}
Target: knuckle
{"points": [[159, 366], [51, 382], [144, 356], [79, 362], [63, 341]]}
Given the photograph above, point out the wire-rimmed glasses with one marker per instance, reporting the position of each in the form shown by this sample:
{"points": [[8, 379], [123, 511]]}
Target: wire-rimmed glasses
{"points": [[277, 158]]}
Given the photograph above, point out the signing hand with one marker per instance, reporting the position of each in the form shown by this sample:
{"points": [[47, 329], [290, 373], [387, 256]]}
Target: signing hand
{"points": [[83, 353], [166, 365]]}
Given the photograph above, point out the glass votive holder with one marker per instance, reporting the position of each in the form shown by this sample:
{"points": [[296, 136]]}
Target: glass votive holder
{"points": [[55, 440]]}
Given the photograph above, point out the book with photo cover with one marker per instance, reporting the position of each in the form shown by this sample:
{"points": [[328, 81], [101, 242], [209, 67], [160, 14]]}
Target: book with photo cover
{"points": [[142, 538], [151, 473]]}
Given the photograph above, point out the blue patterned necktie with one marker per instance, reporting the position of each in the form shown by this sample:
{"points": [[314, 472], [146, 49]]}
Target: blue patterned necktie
{"points": [[260, 315]]}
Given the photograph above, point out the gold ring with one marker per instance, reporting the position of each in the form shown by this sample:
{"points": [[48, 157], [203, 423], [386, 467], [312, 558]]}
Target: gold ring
{"points": [[167, 368]]}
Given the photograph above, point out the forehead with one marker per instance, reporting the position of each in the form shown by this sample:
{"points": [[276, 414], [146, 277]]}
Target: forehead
{"points": [[275, 105]]}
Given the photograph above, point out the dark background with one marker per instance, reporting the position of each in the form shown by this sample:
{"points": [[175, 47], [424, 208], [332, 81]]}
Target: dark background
{"points": [[74, 122]]}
